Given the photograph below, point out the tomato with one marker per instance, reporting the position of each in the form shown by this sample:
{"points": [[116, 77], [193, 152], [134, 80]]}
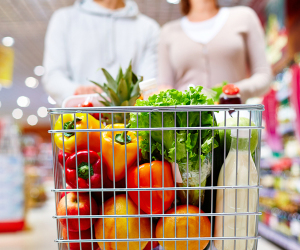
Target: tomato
{"points": [[157, 182], [87, 105]]}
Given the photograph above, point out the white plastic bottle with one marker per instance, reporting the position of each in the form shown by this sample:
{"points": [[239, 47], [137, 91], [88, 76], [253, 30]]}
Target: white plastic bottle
{"points": [[149, 88], [237, 173]]}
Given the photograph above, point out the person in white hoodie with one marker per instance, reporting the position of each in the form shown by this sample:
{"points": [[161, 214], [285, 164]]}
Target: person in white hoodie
{"points": [[95, 34]]}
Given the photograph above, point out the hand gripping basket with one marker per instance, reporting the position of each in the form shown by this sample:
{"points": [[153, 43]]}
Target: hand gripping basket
{"points": [[115, 214]]}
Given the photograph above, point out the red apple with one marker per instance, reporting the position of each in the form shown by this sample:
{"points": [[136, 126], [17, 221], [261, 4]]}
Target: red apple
{"points": [[62, 194], [75, 236], [72, 208]]}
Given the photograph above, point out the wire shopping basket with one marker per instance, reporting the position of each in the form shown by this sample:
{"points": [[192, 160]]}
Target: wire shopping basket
{"points": [[184, 177]]}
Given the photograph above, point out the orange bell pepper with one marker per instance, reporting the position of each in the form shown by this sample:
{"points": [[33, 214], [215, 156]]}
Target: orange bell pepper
{"points": [[68, 139], [117, 147]]}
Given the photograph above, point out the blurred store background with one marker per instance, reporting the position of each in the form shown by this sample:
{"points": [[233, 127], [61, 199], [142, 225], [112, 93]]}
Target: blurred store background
{"points": [[26, 146]]}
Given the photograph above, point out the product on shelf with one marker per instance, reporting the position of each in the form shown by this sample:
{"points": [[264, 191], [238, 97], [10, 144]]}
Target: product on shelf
{"points": [[12, 200]]}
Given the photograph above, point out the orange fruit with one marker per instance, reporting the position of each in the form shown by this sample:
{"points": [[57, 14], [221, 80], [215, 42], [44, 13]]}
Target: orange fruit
{"points": [[181, 229], [121, 225]]}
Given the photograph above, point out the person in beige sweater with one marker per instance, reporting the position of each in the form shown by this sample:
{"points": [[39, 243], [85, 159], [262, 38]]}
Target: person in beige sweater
{"points": [[210, 45]]}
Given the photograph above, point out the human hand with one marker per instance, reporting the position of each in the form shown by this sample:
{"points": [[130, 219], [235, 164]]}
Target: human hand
{"points": [[84, 90]]}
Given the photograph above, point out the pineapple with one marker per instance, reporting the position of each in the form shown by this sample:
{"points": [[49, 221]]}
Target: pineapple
{"points": [[122, 91]]}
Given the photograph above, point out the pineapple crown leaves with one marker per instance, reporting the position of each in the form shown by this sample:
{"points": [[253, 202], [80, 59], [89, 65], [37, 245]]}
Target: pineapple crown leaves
{"points": [[124, 91]]}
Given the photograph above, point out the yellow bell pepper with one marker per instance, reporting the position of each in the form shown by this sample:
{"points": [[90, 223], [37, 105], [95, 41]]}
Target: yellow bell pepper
{"points": [[117, 146], [81, 137]]}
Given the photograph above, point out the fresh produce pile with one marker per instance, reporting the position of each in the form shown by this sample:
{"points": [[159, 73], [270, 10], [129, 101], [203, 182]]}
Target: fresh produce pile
{"points": [[137, 160], [111, 168]]}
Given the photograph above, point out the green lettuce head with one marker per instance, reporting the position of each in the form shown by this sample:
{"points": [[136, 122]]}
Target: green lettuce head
{"points": [[185, 147]]}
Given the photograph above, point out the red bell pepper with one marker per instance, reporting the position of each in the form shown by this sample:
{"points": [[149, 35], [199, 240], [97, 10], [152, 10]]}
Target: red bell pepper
{"points": [[157, 182], [61, 157], [83, 168]]}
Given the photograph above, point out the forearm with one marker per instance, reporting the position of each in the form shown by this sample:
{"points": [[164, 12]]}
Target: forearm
{"points": [[255, 86], [261, 75]]}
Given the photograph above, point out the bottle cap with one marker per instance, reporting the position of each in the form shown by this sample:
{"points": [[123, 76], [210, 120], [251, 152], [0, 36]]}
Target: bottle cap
{"points": [[151, 83], [230, 89], [243, 133]]}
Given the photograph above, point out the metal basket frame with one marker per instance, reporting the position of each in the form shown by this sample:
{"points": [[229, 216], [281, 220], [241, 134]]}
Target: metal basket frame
{"points": [[60, 180]]}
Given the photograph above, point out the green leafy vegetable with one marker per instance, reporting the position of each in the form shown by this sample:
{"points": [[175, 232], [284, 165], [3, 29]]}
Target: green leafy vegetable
{"points": [[219, 90], [187, 149], [187, 142]]}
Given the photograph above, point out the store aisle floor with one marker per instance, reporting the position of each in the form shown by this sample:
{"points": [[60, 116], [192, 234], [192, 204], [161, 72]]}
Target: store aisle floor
{"points": [[267, 245], [42, 231]]}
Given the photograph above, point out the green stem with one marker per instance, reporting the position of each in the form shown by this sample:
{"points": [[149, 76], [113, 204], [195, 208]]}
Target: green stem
{"points": [[83, 170], [70, 125], [123, 137]]}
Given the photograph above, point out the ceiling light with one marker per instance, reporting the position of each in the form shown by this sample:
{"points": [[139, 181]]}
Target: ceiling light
{"points": [[39, 70], [32, 120], [42, 112], [17, 113], [173, 1], [23, 101], [8, 41], [51, 101], [31, 82]]}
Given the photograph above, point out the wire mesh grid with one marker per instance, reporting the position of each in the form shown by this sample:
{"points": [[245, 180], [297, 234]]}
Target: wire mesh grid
{"points": [[122, 187]]}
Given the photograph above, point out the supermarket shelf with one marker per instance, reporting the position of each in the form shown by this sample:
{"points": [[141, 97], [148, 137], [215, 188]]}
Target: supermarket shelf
{"points": [[277, 238]]}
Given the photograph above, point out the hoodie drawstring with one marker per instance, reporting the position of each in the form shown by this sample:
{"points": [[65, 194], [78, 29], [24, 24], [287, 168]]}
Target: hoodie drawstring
{"points": [[110, 47]]}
